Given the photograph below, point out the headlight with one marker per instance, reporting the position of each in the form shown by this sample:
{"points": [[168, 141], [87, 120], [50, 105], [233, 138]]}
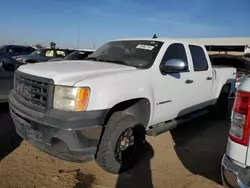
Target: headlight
{"points": [[71, 98]]}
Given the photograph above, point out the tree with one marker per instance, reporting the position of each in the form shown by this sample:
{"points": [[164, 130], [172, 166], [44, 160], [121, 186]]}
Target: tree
{"points": [[52, 45]]}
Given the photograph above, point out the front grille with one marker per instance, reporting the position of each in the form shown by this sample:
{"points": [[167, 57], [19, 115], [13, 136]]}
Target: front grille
{"points": [[33, 90]]}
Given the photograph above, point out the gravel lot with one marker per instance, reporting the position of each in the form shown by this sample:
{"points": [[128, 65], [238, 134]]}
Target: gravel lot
{"points": [[189, 156]]}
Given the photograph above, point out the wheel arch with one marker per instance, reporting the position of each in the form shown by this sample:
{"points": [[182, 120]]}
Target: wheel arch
{"points": [[140, 107]]}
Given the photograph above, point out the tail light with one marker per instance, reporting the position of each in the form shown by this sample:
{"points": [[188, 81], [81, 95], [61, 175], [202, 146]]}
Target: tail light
{"points": [[240, 119]]}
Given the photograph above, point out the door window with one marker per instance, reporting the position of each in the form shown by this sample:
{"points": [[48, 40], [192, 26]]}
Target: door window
{"points": [[28, 50], [175, 51], [199, 58], [49, 53], [17, 49], [60, 53], [8, 49]]}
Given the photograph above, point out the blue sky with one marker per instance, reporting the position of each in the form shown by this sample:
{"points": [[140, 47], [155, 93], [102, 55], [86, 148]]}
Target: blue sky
{"points": [[31, 21]]}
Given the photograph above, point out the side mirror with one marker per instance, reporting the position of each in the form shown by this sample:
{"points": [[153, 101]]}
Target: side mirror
{"points": [[174, 66]]}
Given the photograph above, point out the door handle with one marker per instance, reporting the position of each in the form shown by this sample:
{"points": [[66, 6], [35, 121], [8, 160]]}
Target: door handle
{"points": [[189, 81], [209, 78]]}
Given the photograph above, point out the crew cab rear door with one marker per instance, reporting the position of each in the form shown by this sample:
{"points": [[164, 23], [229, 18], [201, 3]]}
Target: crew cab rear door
{"points": [[202, 76]]}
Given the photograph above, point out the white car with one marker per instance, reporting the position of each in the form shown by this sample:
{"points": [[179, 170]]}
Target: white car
{"points": [[236, 161], [103, 107]]}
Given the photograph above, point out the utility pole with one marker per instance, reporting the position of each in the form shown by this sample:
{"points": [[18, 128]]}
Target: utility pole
{"points": [[78, 35]]}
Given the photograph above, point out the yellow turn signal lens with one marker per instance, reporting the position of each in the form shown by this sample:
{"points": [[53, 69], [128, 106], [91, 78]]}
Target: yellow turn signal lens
{"points": [[82, 99]]}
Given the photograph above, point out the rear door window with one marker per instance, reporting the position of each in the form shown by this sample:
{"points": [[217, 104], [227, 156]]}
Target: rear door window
{"points": [[199, 58], [28, 50], [60, 53]]}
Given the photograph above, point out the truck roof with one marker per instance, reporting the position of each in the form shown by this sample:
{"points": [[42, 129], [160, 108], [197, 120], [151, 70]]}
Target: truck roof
{"points": [[179, 40]]}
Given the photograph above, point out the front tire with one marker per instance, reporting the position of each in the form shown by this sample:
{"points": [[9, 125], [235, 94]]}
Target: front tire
{"points": [[122, 142]]}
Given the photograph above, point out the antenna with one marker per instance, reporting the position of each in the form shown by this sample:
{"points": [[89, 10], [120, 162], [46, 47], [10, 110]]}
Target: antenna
{"points": [[78, 35], [154, 37]]}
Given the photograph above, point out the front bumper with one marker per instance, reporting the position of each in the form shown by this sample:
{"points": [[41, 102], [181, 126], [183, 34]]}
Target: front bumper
{"points": [[65, 135], [230, 174]]}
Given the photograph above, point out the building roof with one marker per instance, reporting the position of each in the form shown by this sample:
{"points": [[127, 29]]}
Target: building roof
{"points": [[233, 41], [171, 40]]}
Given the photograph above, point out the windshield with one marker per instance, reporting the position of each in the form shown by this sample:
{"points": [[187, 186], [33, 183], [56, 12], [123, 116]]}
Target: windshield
{"points": [[140, 54], [77, 55], [40, 52], [72, 55]]}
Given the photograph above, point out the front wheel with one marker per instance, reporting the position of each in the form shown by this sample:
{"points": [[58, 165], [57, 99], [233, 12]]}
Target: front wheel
{"points": [[121, 144]]}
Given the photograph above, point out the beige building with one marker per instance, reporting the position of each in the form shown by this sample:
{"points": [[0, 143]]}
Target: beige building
{"points": [[233, 45]]}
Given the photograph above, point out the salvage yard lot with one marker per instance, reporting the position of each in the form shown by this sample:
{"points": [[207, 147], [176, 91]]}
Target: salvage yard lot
{"points": [[189, 156]]}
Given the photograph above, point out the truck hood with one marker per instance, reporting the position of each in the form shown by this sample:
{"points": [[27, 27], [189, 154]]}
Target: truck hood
{"points": [[70, 72]]}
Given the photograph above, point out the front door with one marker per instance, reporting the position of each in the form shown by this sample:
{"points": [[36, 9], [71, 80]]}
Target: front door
{"points": [[173, 91]]}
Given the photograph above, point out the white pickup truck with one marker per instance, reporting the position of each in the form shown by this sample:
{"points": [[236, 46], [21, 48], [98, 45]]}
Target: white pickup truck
{"points": [[235, 166], [101, 108]]}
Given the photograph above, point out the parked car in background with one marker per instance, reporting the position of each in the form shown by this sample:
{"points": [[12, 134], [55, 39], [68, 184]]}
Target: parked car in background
{"points": [[8, 63], [235, 165], [7, 68], [42, 55], [75, 55], [14, 50], [102, 107], [247, 57]]}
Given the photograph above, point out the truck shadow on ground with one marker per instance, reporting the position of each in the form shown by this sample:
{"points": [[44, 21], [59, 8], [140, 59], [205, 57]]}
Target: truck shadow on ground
{"points": [[140, 175], [9, 139], [201, 143]]}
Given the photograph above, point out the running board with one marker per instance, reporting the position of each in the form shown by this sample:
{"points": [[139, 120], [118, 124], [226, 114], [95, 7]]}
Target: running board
{"points": [[157, 129]]}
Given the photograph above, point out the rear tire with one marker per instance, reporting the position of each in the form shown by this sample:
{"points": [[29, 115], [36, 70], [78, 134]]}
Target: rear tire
{"points": [[122, 142]]}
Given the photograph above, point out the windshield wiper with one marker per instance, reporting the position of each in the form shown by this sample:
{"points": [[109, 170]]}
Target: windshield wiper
{"points": [[117, 62], [106, 60]]}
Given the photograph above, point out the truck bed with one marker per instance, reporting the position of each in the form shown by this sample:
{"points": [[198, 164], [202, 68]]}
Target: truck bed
{"points": [[228, 73]]}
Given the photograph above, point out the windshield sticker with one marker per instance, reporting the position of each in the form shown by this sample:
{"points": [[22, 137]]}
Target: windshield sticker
{"points": [[145, 47]]}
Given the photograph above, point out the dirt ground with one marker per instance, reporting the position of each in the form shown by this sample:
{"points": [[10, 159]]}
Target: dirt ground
{"points": [[188, 156]]}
